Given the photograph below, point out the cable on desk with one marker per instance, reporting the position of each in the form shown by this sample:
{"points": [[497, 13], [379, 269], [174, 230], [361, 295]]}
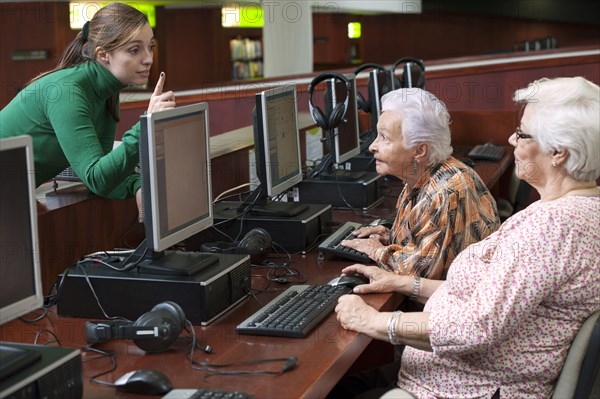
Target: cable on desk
{"points": [[290, 363], [52, 297], [101, 355], [36, 319], [220, 196], [39, 333]]}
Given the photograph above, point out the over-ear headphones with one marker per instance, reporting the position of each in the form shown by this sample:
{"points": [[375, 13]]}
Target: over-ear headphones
{"points": [[364, 104], [407, 80], [154, 331], [339, 111], [256, 243]]}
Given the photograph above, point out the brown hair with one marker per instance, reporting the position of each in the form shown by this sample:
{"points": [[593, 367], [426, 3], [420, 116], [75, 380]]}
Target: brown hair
{"points": [[110, 28]]}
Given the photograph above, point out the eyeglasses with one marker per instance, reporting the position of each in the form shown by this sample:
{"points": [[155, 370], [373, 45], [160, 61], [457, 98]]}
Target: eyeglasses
{"points": [[521, 135]]}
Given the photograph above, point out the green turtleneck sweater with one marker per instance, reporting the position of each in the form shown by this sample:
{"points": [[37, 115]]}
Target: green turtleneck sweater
{"points": [[66, 116]]}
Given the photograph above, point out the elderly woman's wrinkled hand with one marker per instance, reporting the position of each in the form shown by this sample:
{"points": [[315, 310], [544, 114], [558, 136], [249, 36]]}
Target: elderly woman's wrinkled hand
{"points": [[366, 245]]}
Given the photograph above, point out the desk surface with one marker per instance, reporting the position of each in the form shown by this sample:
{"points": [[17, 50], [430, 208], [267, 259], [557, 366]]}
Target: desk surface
{"points": [[323, 357]]}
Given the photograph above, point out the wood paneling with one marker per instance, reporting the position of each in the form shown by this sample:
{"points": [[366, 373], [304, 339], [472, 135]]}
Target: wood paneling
{"points": [[193, 48]]}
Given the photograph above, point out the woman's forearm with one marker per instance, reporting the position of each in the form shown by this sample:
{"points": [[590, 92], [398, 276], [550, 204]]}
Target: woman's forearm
{"points": [[412, 329]]}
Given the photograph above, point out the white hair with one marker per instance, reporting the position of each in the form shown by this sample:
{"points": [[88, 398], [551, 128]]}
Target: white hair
{"points": [[425, 119], [565, 115]]}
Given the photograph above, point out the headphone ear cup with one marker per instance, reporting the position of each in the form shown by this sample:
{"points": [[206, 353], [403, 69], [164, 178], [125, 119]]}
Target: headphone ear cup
{"points": [[175, 310], [362, 103], [337, 115], [257, 242], [320, 118], [169, 329]]}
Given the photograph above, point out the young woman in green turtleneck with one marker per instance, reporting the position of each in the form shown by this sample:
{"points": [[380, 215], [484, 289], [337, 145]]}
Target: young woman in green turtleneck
{"points": [[71, 112]]}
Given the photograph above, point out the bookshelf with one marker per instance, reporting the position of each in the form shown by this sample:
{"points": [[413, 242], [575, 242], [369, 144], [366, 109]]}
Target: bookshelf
{"points": [[246, 58]]}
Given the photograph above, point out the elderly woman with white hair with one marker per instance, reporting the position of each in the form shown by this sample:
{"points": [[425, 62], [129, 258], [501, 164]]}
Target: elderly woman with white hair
{"points": [[444, 205], [502, 323]]}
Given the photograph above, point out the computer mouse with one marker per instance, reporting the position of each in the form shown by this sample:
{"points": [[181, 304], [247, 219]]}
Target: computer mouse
{"points": [[350, 281], [468, 162], [146, 382]]}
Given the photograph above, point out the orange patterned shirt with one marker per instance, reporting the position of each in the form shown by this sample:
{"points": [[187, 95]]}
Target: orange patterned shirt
{"points": [[449, 209]]}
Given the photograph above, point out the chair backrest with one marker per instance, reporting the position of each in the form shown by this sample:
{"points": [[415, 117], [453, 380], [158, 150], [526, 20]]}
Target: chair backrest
{"points": [[582, 364]]}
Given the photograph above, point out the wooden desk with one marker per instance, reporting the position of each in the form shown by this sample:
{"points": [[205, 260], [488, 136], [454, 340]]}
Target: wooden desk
{"points": [[323, 357]]}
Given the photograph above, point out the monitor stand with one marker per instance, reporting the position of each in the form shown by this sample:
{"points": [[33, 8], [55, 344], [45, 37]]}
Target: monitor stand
{"points": [[15, 359], [277, 209], [341, 175], [259, 204], [176, 263]]}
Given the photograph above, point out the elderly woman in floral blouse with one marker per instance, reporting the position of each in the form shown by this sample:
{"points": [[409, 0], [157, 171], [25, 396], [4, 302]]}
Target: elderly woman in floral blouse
{"points": [[503, 321]]}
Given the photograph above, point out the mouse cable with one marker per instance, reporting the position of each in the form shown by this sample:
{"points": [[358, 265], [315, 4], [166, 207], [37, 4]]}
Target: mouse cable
{"points": [[189, 328], [213, 368], [39, 333], [101, 355]]}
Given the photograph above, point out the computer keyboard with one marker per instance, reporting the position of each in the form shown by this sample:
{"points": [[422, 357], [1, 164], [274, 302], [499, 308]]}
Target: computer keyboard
{"points": [[487, 152], [295, 312], [206, 394], [331, 245]]}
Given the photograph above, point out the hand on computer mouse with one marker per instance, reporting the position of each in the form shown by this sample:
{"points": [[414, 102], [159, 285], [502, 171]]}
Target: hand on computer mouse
{"points": [[379, 280], [350, 280], [146, 382]]}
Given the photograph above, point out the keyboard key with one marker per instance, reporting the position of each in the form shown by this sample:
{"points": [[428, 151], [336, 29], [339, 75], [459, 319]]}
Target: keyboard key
{"points": [[206, 394]]}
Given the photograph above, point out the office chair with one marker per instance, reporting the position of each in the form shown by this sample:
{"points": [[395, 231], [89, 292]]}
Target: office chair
{"points": [[580, 373], [581, 370], [517, 197]]}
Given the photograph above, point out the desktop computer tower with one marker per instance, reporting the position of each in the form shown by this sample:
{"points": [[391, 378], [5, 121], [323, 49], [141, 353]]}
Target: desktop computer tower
{"points": [[56, 375], [363, 193], [294, 234], [202, 297]]}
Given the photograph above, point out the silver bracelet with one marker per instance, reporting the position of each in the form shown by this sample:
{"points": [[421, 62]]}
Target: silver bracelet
{"points": [[391, 329], [416, 289]]}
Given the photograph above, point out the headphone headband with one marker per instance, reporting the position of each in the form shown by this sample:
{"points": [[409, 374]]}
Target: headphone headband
{"points": [[406, 80], [368, 65], [327, 75], [338, 112]]}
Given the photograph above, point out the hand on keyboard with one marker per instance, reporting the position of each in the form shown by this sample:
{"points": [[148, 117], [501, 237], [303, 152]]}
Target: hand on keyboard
{"points": [[378, 232], [334, 244], [365, 245]]}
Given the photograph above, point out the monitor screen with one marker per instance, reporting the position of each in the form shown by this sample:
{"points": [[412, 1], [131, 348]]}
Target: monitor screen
{"points": [[176, 185], [277, 151], [20, 278], [346, 137]]}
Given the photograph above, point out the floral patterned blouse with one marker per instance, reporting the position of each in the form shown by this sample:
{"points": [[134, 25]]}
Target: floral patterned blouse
{"points": [[511, 305], [448, 209]]}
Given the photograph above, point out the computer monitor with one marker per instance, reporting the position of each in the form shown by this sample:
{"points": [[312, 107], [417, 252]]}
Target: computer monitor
{"points": [[176, 187], [343, 141], [346, 137], [277, 153], [380, 83], [20, 276]]}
